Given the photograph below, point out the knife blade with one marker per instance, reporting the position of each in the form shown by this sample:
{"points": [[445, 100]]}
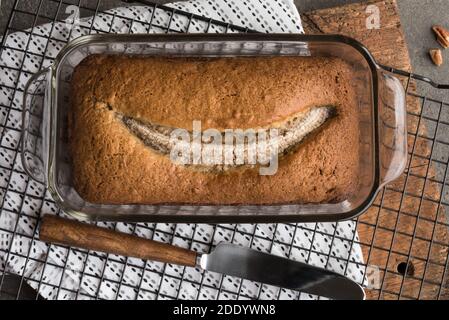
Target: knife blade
{"points": [[253, 265], [226, 259]]}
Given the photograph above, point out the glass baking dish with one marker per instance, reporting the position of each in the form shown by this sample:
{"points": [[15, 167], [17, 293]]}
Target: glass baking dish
{"points": [[381, 105]]}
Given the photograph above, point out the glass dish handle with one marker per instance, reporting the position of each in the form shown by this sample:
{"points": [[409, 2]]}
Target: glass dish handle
{"points": [[392, 128], [34, 151]]}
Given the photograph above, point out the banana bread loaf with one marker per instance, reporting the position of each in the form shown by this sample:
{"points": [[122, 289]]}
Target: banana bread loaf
{"points": [[112, 164]]}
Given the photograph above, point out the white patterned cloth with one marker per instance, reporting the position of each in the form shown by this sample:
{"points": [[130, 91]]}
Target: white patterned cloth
{"points": [[61, 273]]}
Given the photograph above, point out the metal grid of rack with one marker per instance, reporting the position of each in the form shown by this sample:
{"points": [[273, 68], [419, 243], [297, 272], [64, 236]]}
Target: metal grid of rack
{"points": [[404, 236]]}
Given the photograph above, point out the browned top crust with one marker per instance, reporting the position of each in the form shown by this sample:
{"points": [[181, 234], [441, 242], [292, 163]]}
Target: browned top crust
{"points": [[110, 165]]}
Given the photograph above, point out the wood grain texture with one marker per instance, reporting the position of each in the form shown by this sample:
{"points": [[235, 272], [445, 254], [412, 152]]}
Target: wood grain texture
{"points": [[407, 225], [82, 235], [387, 44]]}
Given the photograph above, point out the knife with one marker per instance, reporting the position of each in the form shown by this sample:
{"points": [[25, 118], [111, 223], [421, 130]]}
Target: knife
{"points": [[227, 258]]}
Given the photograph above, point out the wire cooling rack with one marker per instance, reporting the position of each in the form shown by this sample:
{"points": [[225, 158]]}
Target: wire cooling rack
{"points": [[404, 236]]}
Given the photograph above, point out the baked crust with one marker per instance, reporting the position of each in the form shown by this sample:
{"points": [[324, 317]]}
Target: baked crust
{"points": [[110, 165]]}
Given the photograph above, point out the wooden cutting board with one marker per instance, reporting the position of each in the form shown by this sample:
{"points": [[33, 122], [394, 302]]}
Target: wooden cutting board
{"points": [[381, 246]]}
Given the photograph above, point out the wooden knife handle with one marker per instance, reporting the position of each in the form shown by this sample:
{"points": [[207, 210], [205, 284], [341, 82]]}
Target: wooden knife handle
{"points": [[72, 233]]}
